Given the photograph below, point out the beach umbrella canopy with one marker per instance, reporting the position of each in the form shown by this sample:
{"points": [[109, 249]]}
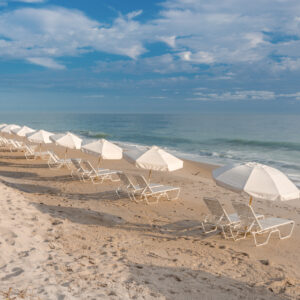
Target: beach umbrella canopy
{"points": [[9, 128], [40, 136], [23, 131], [257, 180], [2, 125], [68, 140], [104, 149], [154, 158]]}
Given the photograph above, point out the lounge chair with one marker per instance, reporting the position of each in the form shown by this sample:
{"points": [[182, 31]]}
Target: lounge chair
{"points": [[77, 168], [219, 218], [54, 162], [97, 176], [128, 187], [16, 145], [251, 224], [156, 191], [30, 152]]}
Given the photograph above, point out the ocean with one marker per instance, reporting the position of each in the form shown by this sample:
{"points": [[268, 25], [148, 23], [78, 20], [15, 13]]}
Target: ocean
{"points": [[272, 139]]}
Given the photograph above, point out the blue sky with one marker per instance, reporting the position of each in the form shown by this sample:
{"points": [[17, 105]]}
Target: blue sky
{"points": [[150, 56]]}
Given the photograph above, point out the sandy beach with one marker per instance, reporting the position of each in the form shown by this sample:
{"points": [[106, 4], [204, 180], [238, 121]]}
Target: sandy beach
{"points": [[61, 238]]}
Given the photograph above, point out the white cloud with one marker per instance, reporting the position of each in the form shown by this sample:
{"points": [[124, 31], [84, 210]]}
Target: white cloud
{"points": [[200, 57], [163, 64], [287, 63], [134, 14], [234, 96], [55, 32], [46, 62], [291, 95], [30, 1], [169, 40], [94, 96], [157, 97]]}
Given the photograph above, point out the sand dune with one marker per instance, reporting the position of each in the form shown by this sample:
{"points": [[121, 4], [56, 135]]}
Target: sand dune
{"points": [[64, 239]]}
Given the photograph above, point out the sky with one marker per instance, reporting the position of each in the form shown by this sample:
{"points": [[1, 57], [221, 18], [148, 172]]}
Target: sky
{"points": [[150, 56]]}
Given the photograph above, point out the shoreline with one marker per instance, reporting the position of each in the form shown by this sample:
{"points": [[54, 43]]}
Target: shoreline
{"points": [[96, 245]]}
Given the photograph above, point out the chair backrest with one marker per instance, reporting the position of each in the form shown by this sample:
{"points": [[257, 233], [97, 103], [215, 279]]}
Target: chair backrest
{"points": [[215, 207], [29, 149], [52, 157], [87, 165], [125, 179], [13, 143], [76, 163], [141, 181], [21, 145], [246, 214]]}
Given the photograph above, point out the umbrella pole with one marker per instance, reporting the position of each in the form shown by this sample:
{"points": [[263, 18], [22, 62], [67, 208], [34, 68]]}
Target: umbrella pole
{"points": [[40, 147], [149, 176], [250, 201], [66, 153], [99, 161]]}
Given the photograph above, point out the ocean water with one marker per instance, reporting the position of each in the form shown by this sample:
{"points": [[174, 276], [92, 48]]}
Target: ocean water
{"points": [[272, 139]]}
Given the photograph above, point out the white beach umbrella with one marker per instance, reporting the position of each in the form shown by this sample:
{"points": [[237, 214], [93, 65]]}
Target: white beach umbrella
{"points": [[9, 128], [67, 140], [2, 125], [154, 158], [104, 149], [257, 180], [40, 137], [23, 131]]}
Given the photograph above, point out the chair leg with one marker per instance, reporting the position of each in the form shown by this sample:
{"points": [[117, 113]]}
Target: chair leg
{"points": [[208, 231], [289, 234], [267, 239]]}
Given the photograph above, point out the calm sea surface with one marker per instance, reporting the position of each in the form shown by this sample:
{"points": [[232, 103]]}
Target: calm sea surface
{"points": [[208, 137]]}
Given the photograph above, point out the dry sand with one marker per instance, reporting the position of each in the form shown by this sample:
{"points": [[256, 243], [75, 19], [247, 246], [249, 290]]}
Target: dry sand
{"points": [[64, 239]]}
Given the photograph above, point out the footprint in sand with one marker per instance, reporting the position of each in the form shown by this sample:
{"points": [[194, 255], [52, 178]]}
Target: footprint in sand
{"points": [[8, 236], [16, 272]]}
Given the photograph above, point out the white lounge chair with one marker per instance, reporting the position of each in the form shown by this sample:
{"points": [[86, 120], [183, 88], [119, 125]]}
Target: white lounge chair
{"points": [[77, 168], [219, 218], [16, 145], [267, 226], [128, 187], [156, 191], [97, 176], [54, 162], [30, 153]]}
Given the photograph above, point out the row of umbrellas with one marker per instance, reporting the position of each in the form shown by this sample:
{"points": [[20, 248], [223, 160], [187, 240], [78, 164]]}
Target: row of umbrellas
{"points": [[154, 158], [256, 180]]}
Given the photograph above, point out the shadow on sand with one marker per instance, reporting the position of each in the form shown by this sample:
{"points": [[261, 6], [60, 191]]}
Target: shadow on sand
{"points": [[182, 283], [170, 231]]}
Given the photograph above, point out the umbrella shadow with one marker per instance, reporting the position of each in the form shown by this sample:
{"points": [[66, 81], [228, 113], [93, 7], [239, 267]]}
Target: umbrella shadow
{"points": [[80, 215], [106, 195], [32, 188], [12, 157], [91, 217], [14, 174], [61, 178]]}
